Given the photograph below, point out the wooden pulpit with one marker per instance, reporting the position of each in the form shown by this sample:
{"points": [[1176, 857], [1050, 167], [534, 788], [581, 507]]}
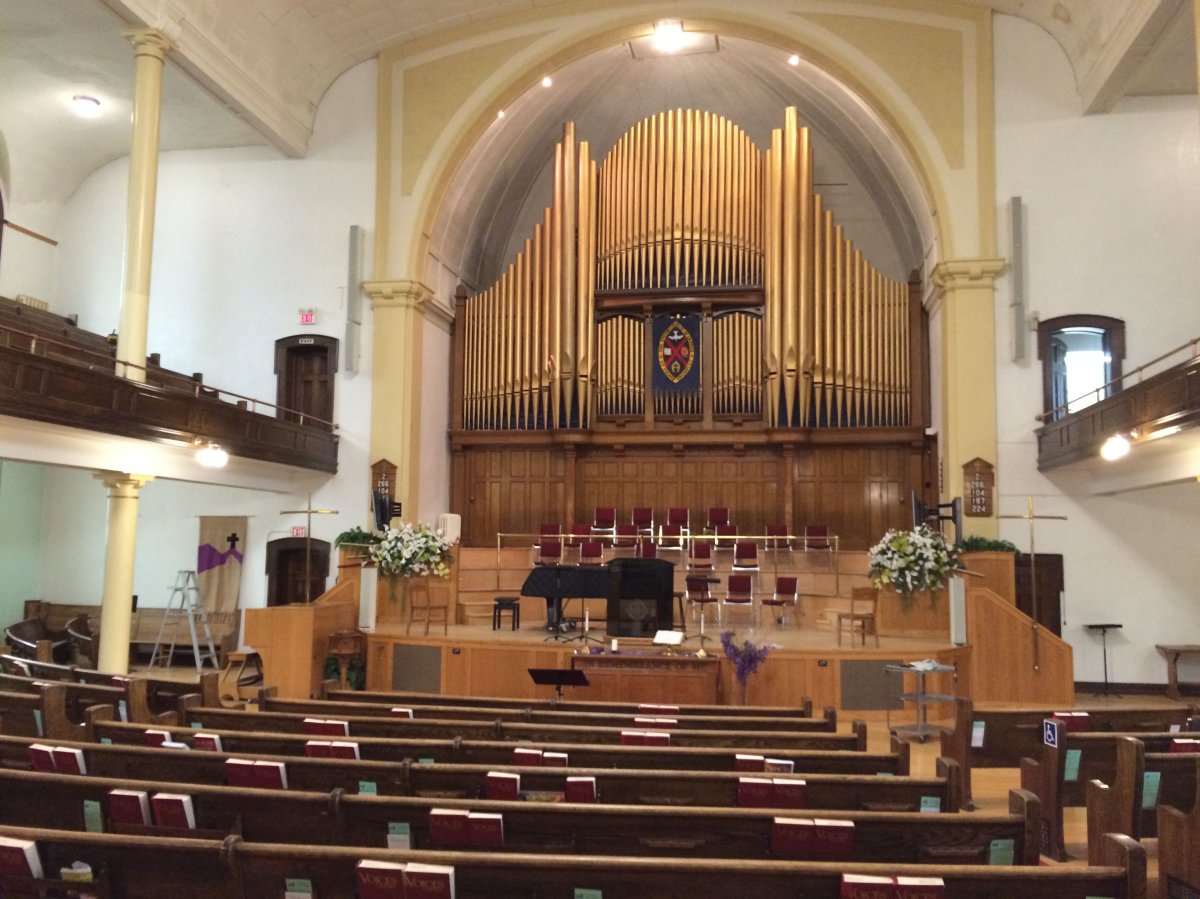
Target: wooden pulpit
{"points": [[293, 641]]}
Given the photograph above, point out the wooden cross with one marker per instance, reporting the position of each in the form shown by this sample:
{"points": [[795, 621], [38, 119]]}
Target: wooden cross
{"points": [[232, 540], [309, 512], [1031, 517]]}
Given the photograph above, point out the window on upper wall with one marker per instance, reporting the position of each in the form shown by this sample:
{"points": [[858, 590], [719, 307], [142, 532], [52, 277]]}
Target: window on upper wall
{"points": [[1081, 361]]}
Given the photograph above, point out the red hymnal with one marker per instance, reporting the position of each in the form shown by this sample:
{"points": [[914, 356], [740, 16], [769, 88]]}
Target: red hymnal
{"points": [[69, 761], [129, 807], [527, 757], [1182, 745], [755, 792], [342, 749], [580, 789], [207, 742], [428, 881], [658, 709], [792, 837], [779, 766], [486, 829], [239, 772], [833, 838], [173, 810], [746, 762], [656, 738], [325, 727], [919, 888], [270, 775], [42, 757], [19, 858], [633, 738], [156, 737], [448, 827], [789, 793], [402, 713], [379, 880], [317, 749], [554, 759], [502, 785], [1074, 722], [866, 886]]}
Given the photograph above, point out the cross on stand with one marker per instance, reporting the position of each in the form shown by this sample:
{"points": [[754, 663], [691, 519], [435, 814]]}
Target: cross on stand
{"points": [[1031, 517], [309, 512]]}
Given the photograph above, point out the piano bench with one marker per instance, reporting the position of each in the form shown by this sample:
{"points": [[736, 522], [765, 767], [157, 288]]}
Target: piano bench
{"points": [[510, 604]]}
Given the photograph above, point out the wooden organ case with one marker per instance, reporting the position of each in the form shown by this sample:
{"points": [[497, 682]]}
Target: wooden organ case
{"points": [[688, 326]]}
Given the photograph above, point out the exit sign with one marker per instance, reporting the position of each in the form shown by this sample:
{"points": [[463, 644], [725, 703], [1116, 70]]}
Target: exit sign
{"points": [[298, 531], [308, 316]]}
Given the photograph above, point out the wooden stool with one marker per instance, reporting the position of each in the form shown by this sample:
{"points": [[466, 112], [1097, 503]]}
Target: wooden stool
{"points": [[240, 678], [510, 604], [344, 646]]}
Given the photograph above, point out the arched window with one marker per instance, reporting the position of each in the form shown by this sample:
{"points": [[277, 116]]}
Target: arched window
{"points": [[1081, 359]]}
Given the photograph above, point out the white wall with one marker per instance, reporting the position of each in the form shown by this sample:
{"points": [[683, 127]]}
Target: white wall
{"points": [[1112, 227], [20, 537], [243, 239]]}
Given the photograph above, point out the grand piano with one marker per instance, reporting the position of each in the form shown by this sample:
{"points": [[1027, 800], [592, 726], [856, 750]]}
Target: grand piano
{"points": [[558, 582], [639, 592]]}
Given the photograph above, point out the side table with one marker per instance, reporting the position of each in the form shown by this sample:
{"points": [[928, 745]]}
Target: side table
{"points": [[921, 730]]}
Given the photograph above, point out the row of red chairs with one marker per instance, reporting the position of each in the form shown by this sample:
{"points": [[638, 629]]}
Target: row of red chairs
{"points": [[739, 591], [672, 535]]}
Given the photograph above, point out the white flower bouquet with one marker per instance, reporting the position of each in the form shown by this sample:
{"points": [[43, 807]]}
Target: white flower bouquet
{"points": [[412, 550], [912, 561]]}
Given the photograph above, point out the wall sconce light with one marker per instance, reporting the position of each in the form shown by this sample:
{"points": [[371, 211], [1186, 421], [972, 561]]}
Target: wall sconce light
{"points": [[1114, 448], [85, 107], [212, 456]]}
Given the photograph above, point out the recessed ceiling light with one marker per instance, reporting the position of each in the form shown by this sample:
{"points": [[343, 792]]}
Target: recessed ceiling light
{"points": [[500, 114], [668, 36], [546, 82], [793, 60], [85, 107]]}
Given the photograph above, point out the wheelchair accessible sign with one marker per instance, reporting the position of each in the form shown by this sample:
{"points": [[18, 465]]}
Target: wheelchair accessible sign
{"points": [[1051, 731]]}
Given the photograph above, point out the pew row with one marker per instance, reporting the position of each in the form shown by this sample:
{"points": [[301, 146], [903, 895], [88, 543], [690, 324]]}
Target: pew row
{"points": [[1178, 837], [135, 867], [428, 728], [1005, 736], [408, 698], [48, 713], [498, 752], [827, 723], [161, 695], [1141, 782], [58, 801], [137, 699], [861, 792]]}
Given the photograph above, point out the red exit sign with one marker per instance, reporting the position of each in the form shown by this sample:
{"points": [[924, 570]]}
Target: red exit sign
{"points": [[298, 531], [308, 317]]}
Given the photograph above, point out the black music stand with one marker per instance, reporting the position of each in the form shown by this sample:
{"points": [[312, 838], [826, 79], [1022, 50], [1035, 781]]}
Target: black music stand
{"points": [[1104, 629], [558, 678]]}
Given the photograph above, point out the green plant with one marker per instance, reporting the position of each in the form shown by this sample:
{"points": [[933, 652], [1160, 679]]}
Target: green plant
{"points": [[356, 536], [912, 561], [977, 544]]}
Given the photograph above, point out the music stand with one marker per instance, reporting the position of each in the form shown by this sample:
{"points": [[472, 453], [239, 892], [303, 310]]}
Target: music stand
{"points": [[1104, 629], [558, 678]]}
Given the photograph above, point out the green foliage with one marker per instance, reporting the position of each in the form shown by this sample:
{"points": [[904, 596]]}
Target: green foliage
{"points": [[356, 535], [977, 544]]}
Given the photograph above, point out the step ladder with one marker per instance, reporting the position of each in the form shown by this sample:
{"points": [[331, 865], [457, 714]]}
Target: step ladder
{"points": [[184, 603]]}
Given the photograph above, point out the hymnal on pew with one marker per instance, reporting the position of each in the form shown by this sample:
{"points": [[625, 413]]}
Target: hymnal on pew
{"points": [[173, 810], [502, 785], [449, 827], [919, 888], [379, 880], [866, 886], [69, 760], [486, 830], [129, 807], [207, 742], [580, 789], [428, 881], [19, 858], [325, 727], [42, 758]]}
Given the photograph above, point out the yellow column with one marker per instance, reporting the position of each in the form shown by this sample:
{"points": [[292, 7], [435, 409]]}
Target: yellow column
{"points": [[968, 364], [398, 326], [149, 48], [116, 604]]}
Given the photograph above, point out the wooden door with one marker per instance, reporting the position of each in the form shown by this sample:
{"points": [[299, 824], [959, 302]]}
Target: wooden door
{"points": [[304, 368], [1050, 585], [285, 570]]}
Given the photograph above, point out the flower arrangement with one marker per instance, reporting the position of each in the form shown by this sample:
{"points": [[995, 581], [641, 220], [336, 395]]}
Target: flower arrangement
{"points": [[746, 657], [912, 561], [412, 549]]}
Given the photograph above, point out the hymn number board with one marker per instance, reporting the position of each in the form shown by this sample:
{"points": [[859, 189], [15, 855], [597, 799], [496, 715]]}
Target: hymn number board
{"points": [[979, 482]]}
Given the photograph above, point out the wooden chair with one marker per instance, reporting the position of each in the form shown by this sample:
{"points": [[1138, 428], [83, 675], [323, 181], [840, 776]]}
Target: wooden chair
{"points": [[422, 607], [739, 591], [783, 599], [864, 620]]}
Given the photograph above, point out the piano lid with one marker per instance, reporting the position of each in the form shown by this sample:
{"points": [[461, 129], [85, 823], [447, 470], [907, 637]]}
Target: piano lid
{"points": [[570, 581]]}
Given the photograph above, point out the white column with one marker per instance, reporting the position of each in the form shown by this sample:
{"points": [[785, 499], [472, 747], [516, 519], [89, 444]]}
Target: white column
{"points": [[116, 604], [149, 49]]}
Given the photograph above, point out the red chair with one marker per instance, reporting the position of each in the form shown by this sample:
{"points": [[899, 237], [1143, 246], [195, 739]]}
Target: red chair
{"points": [[605, 520], [625, 536], [745, 555], [591, 552], [579, 533], [550, 551], [739, 591], [783, 600], [670, 536], [643, 520], [726, 536], [700, 554], [717, 515], [697, 592], [680, 517], [816, 538], [646, 548], [778, 537]]}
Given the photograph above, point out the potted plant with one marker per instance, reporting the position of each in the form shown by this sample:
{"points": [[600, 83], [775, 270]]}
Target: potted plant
{"points": [[913, 561], [355, 544], [411, 551]]}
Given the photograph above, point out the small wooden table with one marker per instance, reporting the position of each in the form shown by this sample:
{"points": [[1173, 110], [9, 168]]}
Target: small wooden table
{"points": [[1173, 655]]}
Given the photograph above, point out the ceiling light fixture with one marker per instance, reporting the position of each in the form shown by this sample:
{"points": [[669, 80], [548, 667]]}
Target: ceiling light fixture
{"points": [[668, 36], [500, 114], [212, 456], [1114, 448], [547, 81], [85, 107], [793, 60]]}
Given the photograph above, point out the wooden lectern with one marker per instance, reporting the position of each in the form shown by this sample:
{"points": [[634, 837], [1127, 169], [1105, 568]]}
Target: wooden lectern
{"points": [[293, 641]]}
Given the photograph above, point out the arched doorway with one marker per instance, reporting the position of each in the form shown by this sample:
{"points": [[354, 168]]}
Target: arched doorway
{"points": [[287, 560]]}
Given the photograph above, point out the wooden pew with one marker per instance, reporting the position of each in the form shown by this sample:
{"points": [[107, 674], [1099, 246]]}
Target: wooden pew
{"points": [[45, 714], [133, 697], [36, 799], [827, 723], [402, 777], [1178, 837], [1046, 777], [427, 728], [499, 752], [162, 695], [135, 867], [408, 698], [1010, 735], [1118, 807]]}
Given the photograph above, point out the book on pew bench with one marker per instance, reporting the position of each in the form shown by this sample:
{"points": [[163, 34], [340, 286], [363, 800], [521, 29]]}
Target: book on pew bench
{"points": [[580, 789], [866, 886], [270, 775], [174, 744], [129, 807], [660, 723], [239, 772], [379, 880], [656, 738], [554, 759], [789, 793], [69, 760], [317, 749], [1180, 744], [486, 830], [41, 757], [919, 888], [531, 758], [19, 858], [402, 713], [153, 737], [1074, 722], [779, 766], [812, 838], [207, 742], [650, 708], [502, 785], [755, 792], [449, 827], [745, 761], [344, 749], [173, 810], [633, 738], [325, 727], [428, 881]]}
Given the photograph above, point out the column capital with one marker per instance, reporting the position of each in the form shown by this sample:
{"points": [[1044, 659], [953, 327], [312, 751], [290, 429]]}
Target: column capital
{"points": [[956, 274], [149, 42], [121, 483], [408, 294]]}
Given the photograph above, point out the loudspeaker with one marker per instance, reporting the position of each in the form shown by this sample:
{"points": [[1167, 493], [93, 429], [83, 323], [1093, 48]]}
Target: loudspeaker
{"points": [[642, 603]]}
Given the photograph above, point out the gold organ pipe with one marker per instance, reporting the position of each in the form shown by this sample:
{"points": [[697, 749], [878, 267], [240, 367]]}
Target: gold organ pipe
{"points": [[470, 349], [790, 298], [556, 283], [830, 305], [521, 374], [839, 325], [569, 355], [905, 356], [546, 362], [536, 381], [818, 343], [680, 156], [860, 349], [773, 212], [804, 336], [583, 273]]}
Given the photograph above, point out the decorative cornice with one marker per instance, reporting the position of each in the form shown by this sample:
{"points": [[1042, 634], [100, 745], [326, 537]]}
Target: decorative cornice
{"points": [[958, 274], [408, 294]]}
